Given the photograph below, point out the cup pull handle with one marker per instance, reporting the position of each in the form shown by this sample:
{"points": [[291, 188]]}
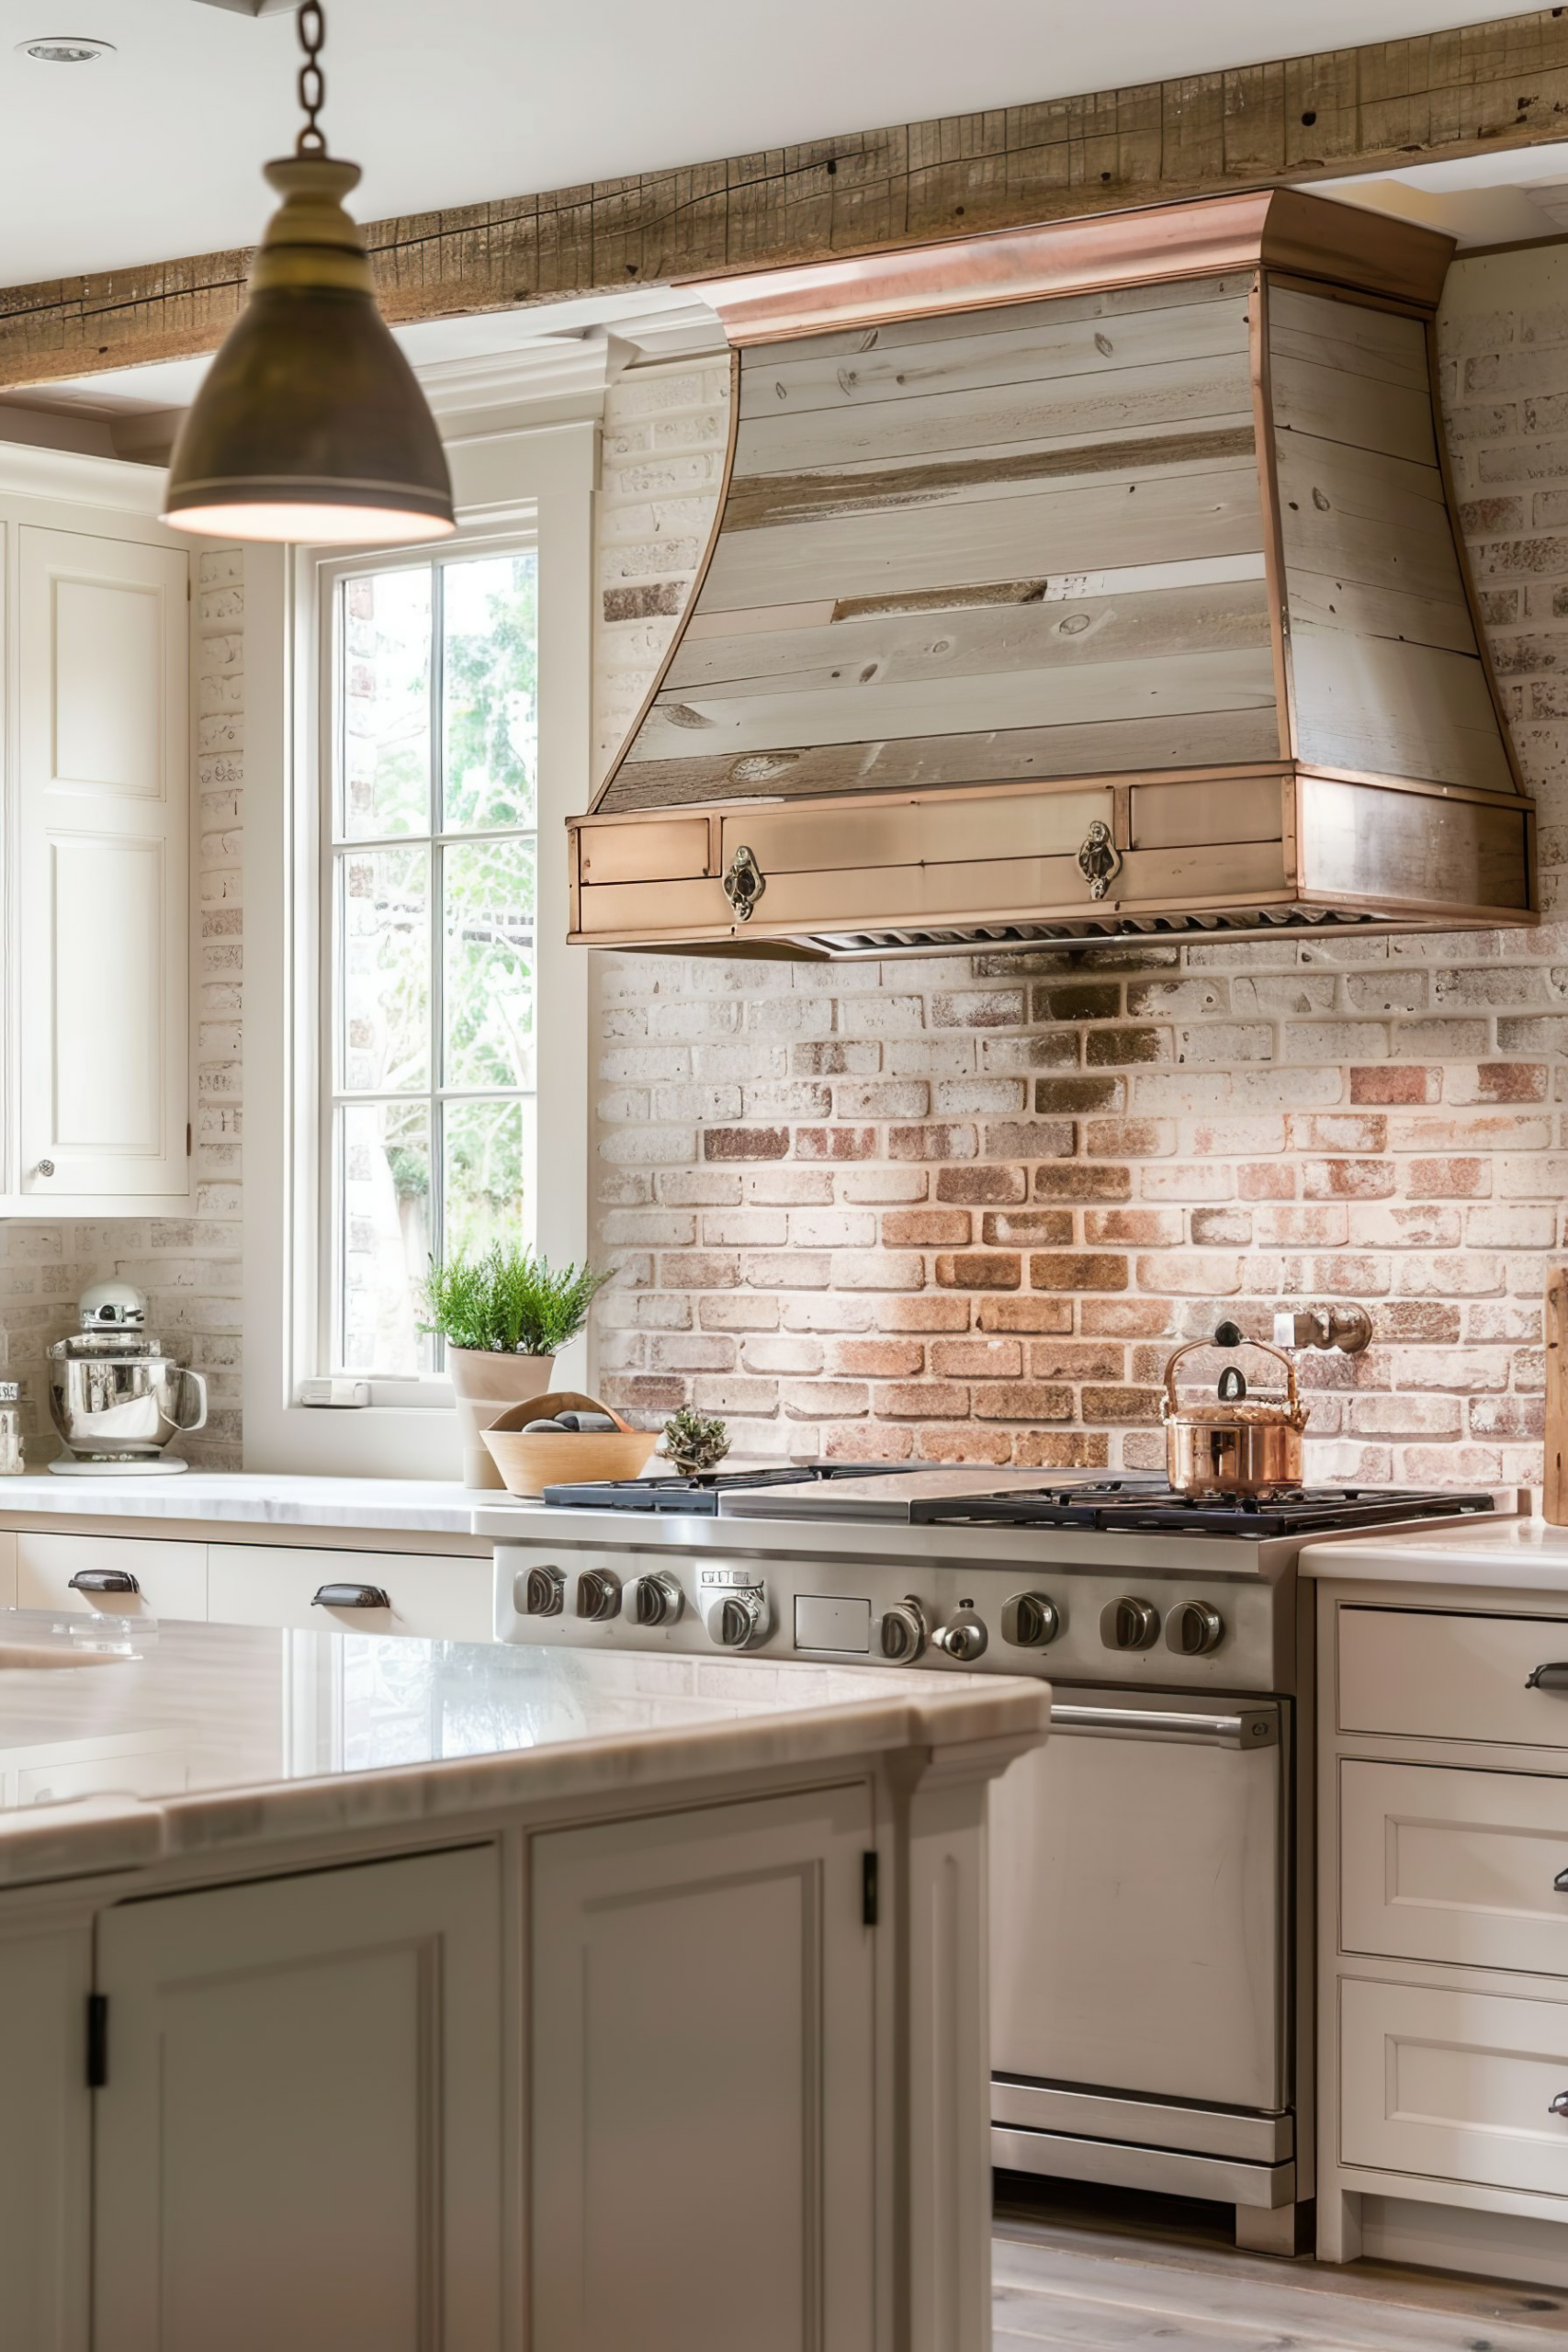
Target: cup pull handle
{"points": [[349, 1596], [103, 1580], [1559, 2104], [1561, 1881], [1547, 1678]]}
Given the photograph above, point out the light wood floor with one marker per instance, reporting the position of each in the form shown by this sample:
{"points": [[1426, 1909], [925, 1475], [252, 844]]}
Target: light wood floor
{"points": [[1092, 2276]]}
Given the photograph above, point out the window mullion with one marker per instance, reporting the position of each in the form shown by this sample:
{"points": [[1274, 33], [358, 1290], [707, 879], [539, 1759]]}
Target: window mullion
{"points": [[437, 926]]}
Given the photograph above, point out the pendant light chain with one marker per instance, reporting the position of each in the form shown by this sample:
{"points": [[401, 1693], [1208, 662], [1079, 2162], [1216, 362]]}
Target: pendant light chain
{"points": [[312, 81]]}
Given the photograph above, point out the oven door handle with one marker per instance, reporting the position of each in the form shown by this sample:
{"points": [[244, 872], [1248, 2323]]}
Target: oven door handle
{"points": [[1248, 1728]]}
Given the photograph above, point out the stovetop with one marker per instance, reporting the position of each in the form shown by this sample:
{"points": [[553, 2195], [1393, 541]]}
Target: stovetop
{"points": [[1117, 1505], [703, 1495]]}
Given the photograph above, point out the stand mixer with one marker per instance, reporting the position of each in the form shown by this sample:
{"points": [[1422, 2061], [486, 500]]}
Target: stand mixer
{"points": [[115, 1397]]}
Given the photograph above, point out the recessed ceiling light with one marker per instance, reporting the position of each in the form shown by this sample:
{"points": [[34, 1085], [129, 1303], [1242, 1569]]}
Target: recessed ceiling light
{"points": [[66, 49]]}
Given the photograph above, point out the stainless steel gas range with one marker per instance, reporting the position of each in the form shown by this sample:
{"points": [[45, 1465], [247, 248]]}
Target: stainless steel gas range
{"points": [[1152, 1864]]}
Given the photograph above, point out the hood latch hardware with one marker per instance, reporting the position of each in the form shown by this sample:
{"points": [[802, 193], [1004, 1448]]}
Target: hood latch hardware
{"points": [[744, 882], [1099, 860]]}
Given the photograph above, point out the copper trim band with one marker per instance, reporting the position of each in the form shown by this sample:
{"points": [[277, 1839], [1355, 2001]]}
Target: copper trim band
{"points": [[1207, 236]]}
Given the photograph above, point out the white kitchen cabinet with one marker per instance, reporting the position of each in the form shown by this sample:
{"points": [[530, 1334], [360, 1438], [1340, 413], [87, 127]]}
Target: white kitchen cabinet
{"points": [[101, 864], [1454, 2086], [122, 1576], [304, 2084], [1443, 1922], [441, 1597], [703, 2069], [1463, 1868], [1451, 1674]]}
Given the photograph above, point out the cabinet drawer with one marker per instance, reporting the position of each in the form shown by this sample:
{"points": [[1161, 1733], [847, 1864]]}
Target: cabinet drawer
{"points": [[1453, 2085], [1437, 1674], [259, 1584], [170, 1577], [1454, 1866]]}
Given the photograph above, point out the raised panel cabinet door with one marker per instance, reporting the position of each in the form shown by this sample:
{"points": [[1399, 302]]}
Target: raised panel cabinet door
{"points": [[298, 2141], [103, 867], [701, 2018], [1467, 1869], [1453, 2086], [45, 2139]]}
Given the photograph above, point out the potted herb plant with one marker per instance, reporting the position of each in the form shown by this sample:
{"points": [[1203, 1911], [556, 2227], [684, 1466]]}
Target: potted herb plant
{"points": [[505, 1316]]}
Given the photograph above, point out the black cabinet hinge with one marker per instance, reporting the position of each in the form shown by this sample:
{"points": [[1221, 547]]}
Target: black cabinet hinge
{"points": [[98, 2040], [868, 1890]]}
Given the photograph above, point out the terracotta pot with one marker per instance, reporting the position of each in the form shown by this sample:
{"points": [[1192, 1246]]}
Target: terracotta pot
{"points": [[486, 1383]]}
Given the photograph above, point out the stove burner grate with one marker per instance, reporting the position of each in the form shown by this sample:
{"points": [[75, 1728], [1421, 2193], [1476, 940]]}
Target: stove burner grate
{"points": [[1130, 1504], [697, 1497]]}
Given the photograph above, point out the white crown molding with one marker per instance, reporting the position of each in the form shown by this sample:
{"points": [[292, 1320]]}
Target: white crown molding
{"points": [[29, 471], [570, 367], [578, 364]]}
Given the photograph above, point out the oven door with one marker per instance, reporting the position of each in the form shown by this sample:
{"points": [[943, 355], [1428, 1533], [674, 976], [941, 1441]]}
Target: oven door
{"points": [[1138, 1906]]}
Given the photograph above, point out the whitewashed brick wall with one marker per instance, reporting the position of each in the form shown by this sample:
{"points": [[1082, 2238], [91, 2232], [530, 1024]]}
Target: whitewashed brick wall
{"points": [[663, 457], [965, 1209], [189, 1266]]}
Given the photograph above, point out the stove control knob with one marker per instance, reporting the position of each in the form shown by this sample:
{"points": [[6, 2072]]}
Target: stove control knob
{"points": [[1029, 1620], [598, 1594], [737, 1621], [1194, 1628], [653, 1600], [1129, 1624], [963, 1640], [540, 1593], [903, 1633]]}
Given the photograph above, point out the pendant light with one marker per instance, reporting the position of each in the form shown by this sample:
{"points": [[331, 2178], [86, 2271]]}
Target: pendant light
{"points": [[310, 424]]}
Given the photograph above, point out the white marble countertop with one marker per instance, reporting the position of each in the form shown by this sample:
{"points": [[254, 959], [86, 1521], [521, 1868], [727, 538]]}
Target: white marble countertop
{"points": [[280, 1735], [1513, 1555], [426, 1506]]}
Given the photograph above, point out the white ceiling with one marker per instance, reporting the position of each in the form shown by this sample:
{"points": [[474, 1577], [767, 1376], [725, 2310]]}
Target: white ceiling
{"points": [[155, 152]]}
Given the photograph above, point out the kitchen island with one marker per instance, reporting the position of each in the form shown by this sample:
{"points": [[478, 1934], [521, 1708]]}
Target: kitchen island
{"points": [[485, 1996]]}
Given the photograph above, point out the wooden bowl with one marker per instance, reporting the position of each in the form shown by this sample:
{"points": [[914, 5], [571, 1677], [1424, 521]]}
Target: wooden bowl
{"points": [[529, 1465]]}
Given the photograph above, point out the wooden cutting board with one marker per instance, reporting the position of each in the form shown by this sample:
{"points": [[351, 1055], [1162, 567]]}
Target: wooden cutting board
{"points": [[1554, 1499]]}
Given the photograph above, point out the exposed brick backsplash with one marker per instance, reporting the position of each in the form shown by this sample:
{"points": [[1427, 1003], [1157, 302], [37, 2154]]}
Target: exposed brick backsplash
{"points": [[189, 1266], [964, 1209]]}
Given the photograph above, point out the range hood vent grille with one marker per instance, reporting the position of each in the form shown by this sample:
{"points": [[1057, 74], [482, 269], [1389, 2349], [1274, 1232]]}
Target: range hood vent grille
{"points": [[1249, 922], [1075, 584]]}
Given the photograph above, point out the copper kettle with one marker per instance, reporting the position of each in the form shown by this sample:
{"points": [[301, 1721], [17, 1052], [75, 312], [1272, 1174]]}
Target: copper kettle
{"points": [[1238, 1445]]}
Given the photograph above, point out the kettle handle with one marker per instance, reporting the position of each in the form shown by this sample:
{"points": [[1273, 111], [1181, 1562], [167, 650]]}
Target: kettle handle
{"points": [[186, 1426], [1293, 1393]]}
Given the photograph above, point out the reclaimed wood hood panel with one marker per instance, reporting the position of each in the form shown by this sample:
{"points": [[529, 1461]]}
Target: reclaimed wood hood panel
{"points": [[1156, 500]]}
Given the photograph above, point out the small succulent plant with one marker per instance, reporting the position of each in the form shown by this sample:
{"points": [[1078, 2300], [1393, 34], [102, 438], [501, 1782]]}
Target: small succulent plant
{"points": [[692, 1443]]}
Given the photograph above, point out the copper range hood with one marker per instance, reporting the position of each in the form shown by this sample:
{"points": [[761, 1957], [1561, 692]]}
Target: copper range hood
{"points": [[1073, 583]]}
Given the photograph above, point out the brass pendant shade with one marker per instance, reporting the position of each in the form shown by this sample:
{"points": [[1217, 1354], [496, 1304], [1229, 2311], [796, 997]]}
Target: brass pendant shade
{"points": [[310, 424]]}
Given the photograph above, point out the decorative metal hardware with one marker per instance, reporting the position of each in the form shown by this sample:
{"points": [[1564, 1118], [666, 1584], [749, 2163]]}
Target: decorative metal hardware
{"points": [[744, 882], [44, 1167], [1099, 860]]}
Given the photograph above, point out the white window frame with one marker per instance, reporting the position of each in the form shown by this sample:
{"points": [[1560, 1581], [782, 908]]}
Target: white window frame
{"points": [[331, 573], [538, 483]]}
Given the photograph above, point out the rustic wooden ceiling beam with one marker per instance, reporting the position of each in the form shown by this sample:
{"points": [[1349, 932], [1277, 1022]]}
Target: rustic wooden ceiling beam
{"points": [[1373, 108]]}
